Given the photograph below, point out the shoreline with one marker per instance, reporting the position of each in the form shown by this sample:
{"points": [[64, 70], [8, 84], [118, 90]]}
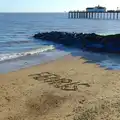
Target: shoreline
{"points": [[29, 61], [64, 89], [38, 65]]}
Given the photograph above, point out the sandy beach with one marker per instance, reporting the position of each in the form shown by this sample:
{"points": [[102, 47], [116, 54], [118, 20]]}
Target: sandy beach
{"points": [[65, 89]]}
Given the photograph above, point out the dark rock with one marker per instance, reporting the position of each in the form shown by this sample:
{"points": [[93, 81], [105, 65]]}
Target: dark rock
{"points": [[91, 42]]}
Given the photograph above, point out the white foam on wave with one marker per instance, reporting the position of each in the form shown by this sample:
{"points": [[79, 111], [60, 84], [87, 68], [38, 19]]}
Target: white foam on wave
{"points": [[32, 52]]}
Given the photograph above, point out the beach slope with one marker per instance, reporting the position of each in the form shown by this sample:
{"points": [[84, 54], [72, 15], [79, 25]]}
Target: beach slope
{"points": [[65, 89]]}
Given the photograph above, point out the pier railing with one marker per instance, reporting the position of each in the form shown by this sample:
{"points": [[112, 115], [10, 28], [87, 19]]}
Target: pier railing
{"points": [[112, 15]]}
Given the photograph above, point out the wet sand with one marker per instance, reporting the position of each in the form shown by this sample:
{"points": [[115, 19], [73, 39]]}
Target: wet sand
{"points": [[65, 89]]}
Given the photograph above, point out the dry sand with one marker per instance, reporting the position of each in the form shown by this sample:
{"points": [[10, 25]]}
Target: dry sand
{"points": [[65, 89]]}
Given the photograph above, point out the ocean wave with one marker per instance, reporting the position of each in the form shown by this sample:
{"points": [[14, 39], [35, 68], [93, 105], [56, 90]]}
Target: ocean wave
{"points": [[9, 43], [4, 57]]}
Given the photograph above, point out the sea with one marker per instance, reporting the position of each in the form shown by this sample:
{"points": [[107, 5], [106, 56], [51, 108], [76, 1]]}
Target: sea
{"points": [[18, 48]]}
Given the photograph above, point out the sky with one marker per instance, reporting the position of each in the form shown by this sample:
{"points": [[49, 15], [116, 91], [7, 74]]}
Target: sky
{"points": [[54, 5]]}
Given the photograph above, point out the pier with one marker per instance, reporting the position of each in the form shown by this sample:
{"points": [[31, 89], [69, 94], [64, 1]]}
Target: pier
{"points": [[97, 12], [94, 15]]}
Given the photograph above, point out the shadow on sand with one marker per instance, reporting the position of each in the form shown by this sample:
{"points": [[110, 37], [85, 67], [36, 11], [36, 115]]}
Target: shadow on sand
{"points": [[108, 61]]}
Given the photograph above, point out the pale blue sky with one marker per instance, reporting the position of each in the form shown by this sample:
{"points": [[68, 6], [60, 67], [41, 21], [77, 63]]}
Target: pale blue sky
{"points": [[53, 5]]}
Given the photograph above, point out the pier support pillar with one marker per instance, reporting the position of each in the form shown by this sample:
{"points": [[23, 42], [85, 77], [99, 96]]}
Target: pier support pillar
{"points": [[87, 15], [97, 15], [107, 15], [110, 15], [83, 14], [104, 15], [101, 15], [92, 15], [69, 15], [113, 15], [79, 15], [74, 14], [117, 15]]}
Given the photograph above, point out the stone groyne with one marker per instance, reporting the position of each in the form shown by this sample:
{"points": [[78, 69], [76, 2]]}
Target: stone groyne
{"points": [[90, 42]]}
